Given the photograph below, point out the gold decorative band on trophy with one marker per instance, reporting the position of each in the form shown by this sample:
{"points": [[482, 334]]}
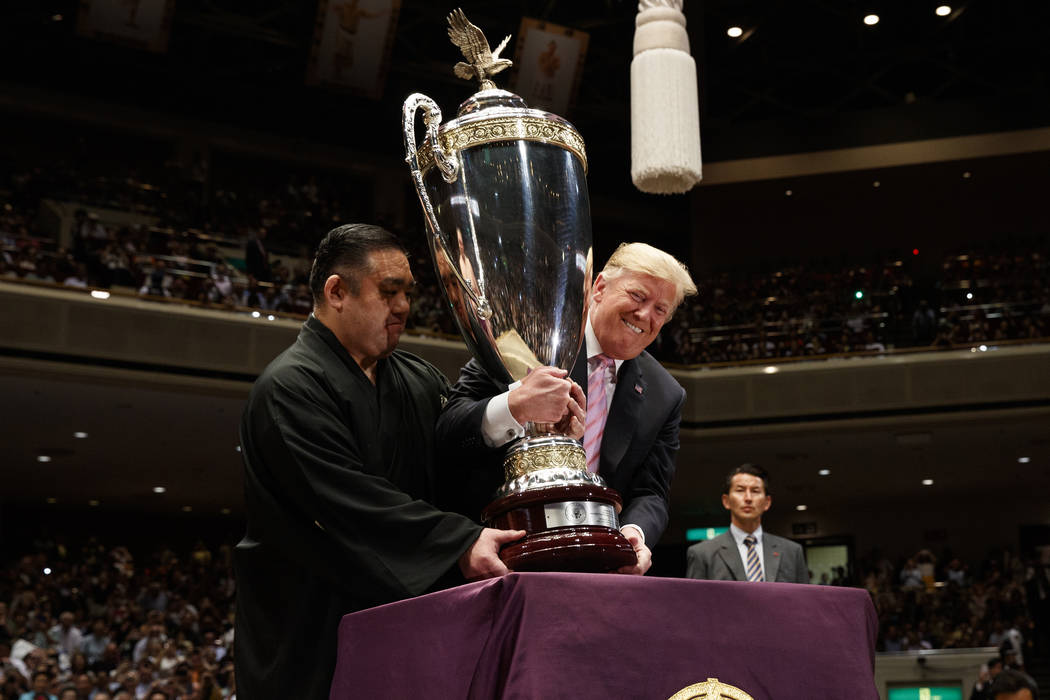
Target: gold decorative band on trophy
{"points": [[516, 128], [554, 456]]}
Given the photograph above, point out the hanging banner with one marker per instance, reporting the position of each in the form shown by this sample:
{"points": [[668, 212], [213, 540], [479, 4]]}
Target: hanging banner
{"points": [[352, 43], [548, 63], [142, 24]]}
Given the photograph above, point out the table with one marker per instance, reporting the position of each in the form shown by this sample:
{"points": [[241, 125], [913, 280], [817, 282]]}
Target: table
{"points": [[562, 635]]}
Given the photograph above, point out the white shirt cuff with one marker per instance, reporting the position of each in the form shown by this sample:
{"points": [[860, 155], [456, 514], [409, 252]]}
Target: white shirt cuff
{"points": [[498, 426], [638, 529]]}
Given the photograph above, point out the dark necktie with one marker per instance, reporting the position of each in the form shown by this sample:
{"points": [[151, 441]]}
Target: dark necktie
{"points": [[754, 568]]}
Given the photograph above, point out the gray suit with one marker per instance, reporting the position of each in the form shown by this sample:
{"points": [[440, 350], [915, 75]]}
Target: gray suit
{"points": [[719, 560]]}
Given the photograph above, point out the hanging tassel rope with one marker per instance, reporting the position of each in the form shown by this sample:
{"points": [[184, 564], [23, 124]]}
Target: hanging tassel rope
{"points": [[665, 113]]}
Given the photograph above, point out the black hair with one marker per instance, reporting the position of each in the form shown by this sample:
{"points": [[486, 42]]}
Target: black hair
{"points": [[1010, 681], [345, 250], [994, 661], [746, 468]]}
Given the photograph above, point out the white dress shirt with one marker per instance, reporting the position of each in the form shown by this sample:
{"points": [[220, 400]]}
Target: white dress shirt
{"points": [[739, 536]]}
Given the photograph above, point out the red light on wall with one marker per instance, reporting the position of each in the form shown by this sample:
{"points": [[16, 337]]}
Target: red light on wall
{"points": [[914, 251]]}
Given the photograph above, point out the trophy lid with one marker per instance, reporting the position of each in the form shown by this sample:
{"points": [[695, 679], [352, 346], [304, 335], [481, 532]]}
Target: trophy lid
{"points": [[489, 99]]}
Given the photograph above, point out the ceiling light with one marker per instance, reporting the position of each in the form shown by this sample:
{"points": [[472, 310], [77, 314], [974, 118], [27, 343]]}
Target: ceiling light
{"points": [[788, 193], [800, 507], [187, 509], [52, 499], [1024, 460], [871, 20], [876, 184], [92, 503], [943, 11], [927, 482], [225, 511], [47, 571], [734, 32], [159, 489], [771, 370], [824, 472], [982, 348], [80, 435], [256, 314], [270, 317], [967, 175], [99, 294], [969, 295], [43, 458], [56, 18]]}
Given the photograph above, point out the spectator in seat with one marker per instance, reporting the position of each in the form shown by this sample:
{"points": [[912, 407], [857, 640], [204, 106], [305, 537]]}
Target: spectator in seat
{"points": [[66, 635], [982, 689], [1014, 685], [923, 324], [257, 258], [41, 688]]}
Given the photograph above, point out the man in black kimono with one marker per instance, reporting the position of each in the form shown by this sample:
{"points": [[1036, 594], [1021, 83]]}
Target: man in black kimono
{"points": [[338, 447]]}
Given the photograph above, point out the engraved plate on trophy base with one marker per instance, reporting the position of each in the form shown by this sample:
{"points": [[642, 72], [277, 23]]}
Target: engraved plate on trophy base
{"points": [[569, 527]]}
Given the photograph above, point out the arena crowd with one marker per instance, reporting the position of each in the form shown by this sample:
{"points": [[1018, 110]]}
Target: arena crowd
{"points": [[1000, 293]]}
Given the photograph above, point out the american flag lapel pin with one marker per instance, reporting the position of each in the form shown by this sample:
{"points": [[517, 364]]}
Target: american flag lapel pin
{"points": [[638, 388]]}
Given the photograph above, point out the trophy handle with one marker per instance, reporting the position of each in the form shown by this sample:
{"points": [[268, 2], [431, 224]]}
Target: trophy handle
{"points": [[449, 171]]}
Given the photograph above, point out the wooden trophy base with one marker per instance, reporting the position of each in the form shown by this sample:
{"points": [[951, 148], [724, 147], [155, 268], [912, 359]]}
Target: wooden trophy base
{"points": [[569, 528]]}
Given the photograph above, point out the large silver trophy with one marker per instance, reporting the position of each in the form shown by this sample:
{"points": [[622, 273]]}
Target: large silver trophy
{"points": [[504, 193]]}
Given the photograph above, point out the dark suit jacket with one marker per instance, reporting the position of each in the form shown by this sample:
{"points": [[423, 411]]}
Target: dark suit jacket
{"points": [[719, 560], [638, 449]]}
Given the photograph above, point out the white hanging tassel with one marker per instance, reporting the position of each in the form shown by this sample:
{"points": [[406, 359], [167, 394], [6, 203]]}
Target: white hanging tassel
{"points": [[665, 113]]}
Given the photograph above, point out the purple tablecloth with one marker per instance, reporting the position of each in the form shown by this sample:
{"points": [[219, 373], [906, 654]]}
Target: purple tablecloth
{"points": [[556, 635]]}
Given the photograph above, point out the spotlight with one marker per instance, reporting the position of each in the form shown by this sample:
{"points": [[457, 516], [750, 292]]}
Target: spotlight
{"points": [[943, 11], [734, 32], [871, 20]]}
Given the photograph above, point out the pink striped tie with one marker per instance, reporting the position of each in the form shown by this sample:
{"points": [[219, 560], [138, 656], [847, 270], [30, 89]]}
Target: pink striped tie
{"points": [[596, 410]]}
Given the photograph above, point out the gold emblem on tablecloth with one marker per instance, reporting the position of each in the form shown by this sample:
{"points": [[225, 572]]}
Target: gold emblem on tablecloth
{"points": [[711, 689]]}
